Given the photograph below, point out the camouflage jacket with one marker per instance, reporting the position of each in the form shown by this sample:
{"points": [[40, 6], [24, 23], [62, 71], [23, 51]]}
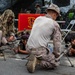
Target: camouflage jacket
{"points": [[3, 22]]}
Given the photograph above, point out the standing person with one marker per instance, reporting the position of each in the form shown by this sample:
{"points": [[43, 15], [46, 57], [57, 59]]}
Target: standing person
{"points": [[38, 9], [43, 29]]}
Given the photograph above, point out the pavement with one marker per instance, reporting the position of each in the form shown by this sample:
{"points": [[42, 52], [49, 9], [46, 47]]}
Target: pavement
{"points": [[15, 65]]}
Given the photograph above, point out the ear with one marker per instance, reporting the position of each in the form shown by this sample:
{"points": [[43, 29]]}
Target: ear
{"points": [[54, 14]]}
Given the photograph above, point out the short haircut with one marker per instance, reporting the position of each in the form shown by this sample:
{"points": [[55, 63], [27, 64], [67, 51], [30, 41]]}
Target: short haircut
{"points": [[50, 10], [24, 37]]}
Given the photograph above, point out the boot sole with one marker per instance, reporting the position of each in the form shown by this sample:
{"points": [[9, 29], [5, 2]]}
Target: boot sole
{"points": [[31, 63]]}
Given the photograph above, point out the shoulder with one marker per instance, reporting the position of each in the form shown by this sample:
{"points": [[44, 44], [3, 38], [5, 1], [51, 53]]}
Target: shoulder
{"points": [[56, 24], [39, 17]]}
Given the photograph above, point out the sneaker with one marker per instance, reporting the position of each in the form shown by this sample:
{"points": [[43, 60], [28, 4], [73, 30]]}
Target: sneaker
{"points": [[31, 64]]}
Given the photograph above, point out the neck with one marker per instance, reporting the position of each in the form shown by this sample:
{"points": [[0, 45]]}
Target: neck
{"points": [[51, 16], [48, 16]]}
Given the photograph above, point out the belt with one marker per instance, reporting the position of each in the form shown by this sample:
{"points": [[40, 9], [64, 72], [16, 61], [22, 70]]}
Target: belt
{"points": [[40, 48]]}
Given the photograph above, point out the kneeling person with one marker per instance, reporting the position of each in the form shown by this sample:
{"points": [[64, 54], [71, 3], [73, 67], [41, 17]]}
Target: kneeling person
{"points": [[44, 27]]}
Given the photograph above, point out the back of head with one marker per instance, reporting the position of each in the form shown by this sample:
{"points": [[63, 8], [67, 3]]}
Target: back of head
{"points": [[37, 5], [54, 8], [24, 37]]}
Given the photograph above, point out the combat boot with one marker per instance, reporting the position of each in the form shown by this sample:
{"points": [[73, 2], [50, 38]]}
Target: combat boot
{"points": [[31, 64]]}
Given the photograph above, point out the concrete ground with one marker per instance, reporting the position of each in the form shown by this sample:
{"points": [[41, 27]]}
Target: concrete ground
{"points": [[15, 65]]}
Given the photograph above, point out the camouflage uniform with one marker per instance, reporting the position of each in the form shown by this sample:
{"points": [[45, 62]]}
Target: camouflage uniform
{"points": [[4, 27], [39, 48], [44, 29], [3, 21]]}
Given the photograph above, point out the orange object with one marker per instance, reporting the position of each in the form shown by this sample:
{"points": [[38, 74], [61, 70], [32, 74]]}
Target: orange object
{"points": [[25, 21]]}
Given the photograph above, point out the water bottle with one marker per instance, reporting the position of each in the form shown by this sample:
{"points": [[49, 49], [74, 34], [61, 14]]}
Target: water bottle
{"points": [[50, 48]]}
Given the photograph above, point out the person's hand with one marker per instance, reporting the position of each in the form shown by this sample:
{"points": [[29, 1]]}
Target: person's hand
{"points": [[11, 38], [56, 54]]}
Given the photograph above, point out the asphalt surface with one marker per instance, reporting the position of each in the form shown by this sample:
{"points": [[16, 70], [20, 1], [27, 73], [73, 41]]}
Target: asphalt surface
{"points": [[15, 65]]}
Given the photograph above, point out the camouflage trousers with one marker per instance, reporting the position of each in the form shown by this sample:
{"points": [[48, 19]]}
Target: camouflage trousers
{"points": [[47, 58]]}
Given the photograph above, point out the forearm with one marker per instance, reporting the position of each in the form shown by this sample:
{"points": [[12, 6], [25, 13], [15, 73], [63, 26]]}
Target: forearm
{"points": [[23, 51], [57, 48], [57, 40]]}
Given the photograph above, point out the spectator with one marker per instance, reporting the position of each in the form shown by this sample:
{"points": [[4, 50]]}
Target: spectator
{"points": [[38, 9], [27, 12]]}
